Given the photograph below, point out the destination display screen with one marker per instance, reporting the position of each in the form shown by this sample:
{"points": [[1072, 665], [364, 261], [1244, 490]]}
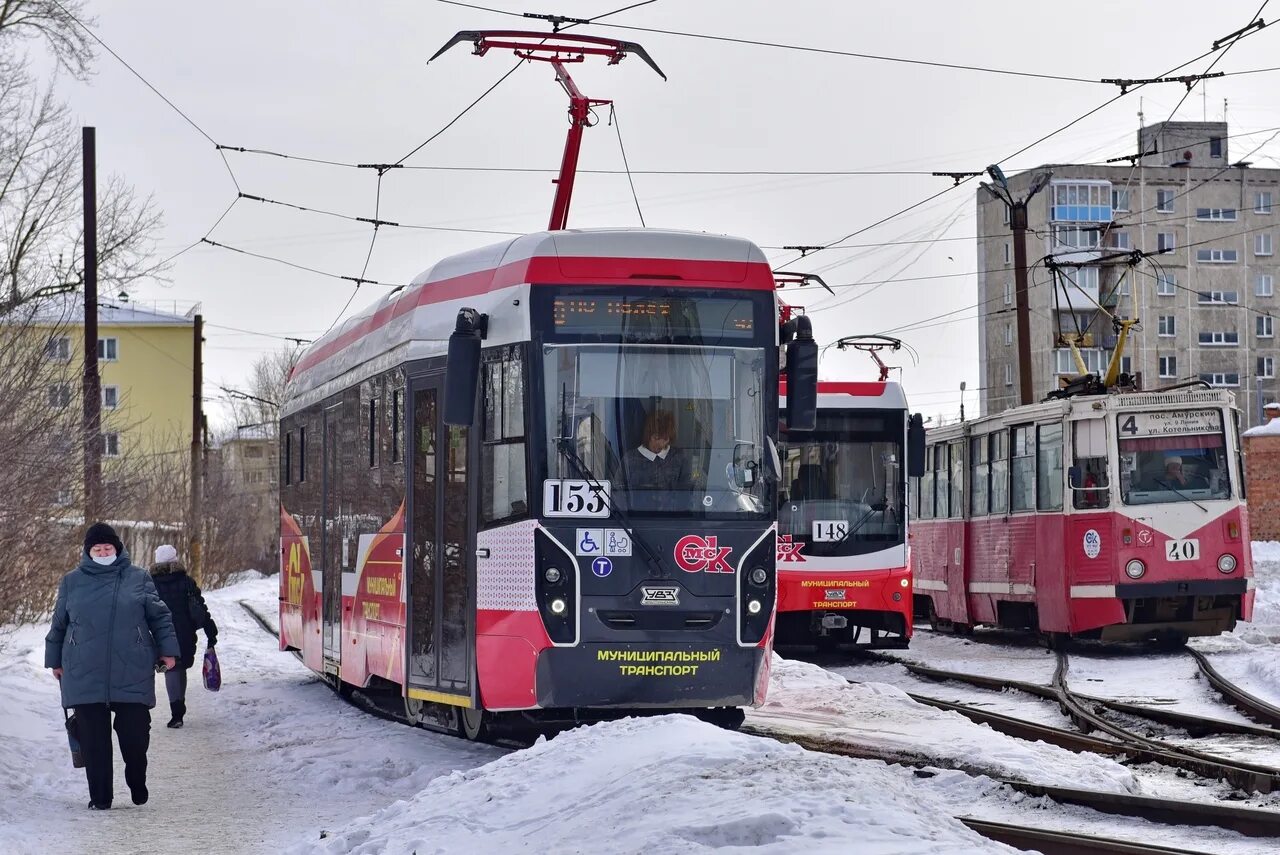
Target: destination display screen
{"points": [[708, 318], [1175, 423]]}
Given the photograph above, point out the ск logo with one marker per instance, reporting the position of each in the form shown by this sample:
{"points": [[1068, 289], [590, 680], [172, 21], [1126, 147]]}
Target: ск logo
{"points": [[694, 552], [788, 549]]}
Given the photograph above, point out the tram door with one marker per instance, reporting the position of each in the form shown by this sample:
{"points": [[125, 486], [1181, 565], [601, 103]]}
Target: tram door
{"points": [[331, 538], [439, 596]]}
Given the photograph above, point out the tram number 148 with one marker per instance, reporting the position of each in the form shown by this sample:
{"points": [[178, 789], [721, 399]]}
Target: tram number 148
{"points": [[1182, 550]]}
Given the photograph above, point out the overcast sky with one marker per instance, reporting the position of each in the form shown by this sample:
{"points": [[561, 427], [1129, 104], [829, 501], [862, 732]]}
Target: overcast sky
{"points": [[349, 82]]}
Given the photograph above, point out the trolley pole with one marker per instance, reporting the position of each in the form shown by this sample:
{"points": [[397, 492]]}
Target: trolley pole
{"points": [[196, 511], [91, 383]]}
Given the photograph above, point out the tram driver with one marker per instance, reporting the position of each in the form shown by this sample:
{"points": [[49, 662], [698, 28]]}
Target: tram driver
{"points": [[656, 464], [1175, 477]]}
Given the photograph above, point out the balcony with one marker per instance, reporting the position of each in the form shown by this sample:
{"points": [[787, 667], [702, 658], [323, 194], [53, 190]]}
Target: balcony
{"points": [[1095, 359], [1080, 201]]}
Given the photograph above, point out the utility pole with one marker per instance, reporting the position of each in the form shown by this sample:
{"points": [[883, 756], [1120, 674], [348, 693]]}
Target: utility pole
{"points": [[1018, 224], [196, 511], [91, 383]]}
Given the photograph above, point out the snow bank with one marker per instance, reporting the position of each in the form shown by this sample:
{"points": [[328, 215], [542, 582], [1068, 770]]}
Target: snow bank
{"points": [[809, 700], [1264, 628], [669, 784]]}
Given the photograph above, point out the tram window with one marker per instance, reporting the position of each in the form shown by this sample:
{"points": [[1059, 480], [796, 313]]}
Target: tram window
{"points": [[396, 406], [288, 457], [1022, 471], [302, 453], [1160, 466], [373, 433], [1090, 484], [504, 490], [957, 478], [979, 476], [942, 482], [1241, 480], [926, 489], [1000, 472], [1049, 468]]}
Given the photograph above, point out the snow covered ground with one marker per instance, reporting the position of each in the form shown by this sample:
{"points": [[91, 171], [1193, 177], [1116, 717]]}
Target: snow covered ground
{"points": [[276, 762], [273, 758]]}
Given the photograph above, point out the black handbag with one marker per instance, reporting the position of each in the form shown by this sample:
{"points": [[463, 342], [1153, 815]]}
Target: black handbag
{"points": [[73, 738]]}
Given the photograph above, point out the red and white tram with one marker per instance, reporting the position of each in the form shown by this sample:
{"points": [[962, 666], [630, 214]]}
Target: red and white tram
{"points": [[468, 525], [842, 528], [1119, 517]]}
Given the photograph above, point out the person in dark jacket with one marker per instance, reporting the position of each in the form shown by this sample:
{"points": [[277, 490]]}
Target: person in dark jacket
{"points": [[182, 595], [109, 630]]}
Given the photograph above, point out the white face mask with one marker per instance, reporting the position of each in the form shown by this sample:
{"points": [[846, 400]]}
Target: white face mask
{"points": [[104, 559]]}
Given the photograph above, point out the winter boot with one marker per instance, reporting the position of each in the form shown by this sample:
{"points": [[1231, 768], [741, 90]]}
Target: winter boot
{"points": [[140, 795], [179, 709]]}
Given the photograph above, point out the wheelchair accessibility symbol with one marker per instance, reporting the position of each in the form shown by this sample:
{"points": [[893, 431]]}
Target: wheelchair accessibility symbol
{"points": [[602, 567], [590, 541]]}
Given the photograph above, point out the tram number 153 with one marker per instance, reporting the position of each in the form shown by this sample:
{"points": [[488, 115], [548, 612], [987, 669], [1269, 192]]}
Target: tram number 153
{"points": [[574, 498], [1182, 550]]}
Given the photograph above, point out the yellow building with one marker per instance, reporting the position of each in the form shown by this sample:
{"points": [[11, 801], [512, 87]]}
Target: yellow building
{"points": [[145, 363]]}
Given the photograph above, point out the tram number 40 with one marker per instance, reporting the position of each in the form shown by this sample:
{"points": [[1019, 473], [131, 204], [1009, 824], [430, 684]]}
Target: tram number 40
{"points": [[1182, 550], [573, 498]]}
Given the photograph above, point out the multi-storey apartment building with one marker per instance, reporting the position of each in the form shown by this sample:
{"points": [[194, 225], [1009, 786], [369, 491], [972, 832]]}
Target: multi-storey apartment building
{"points": [[1206, 301]]}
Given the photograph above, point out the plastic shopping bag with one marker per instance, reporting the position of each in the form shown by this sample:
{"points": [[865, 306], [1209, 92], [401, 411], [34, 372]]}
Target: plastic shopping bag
{"points": [[212, 672]]}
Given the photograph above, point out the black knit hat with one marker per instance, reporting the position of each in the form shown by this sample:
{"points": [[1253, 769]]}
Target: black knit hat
{"points": [[102, 533]]}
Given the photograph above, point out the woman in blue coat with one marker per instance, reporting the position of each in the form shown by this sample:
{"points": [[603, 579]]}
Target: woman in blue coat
{"points": [[109, 631]]}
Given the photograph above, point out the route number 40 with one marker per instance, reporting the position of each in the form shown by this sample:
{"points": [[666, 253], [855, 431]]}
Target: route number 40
{"points": [[1182, 550]]}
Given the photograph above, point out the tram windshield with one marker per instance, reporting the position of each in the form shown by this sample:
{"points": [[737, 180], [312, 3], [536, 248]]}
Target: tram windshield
{"points": [[672, 430], [844, 484], [1173, 457]]}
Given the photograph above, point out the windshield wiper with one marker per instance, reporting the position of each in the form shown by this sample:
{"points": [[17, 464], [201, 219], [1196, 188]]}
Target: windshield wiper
{"points": [[854, 530], [584, 472], [1174, 489]]}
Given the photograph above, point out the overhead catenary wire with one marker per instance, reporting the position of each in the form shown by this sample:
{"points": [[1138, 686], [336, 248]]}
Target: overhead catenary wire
{"points": [[804, 48]]}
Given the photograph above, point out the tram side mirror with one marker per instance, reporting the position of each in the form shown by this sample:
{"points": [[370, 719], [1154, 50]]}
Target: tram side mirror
{"points": [[802, 377], [462, 374], [915, 446]]}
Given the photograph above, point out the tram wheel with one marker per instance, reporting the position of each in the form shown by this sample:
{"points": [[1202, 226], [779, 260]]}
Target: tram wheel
{"points": [[729, 718], [413, 709], [474, 724]]}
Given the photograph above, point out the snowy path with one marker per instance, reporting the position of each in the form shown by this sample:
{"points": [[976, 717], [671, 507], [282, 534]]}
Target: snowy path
{"points": [[259, 766]]}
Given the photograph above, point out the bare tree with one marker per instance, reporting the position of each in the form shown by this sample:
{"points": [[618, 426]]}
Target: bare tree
{"points": [[55, 23], [41, 215], [258, 402]]}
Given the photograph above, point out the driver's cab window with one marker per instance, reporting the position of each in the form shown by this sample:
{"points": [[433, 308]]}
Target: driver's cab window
{"points": [[843, 486]]}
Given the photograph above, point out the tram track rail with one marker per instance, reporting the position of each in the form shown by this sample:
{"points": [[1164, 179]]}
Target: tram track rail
{"points": [[1245, 821], [1250, 705], [1194, 725], [1250, 777]]}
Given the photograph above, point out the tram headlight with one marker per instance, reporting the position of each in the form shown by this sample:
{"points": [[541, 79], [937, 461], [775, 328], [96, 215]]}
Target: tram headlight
{"points": [[754, 607], [552, 575], [759, 576], [1226, 563], [1135, 569], [558, 607]]}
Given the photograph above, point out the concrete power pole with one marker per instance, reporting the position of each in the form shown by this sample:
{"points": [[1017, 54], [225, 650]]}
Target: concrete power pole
{"points": [[195, 514], [1022, 301], [91, 383]]}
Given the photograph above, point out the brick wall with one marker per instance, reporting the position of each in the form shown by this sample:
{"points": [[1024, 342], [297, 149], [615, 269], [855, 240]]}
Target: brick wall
{"points": [[1262, 473]]}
